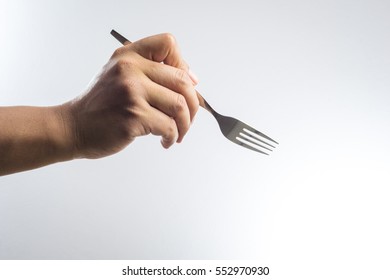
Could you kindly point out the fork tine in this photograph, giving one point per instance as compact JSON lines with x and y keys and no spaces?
{"x":240,"y":141}
{"x":253,"y":140}
{"x":254,"y":137}
{"x":251,"y":129}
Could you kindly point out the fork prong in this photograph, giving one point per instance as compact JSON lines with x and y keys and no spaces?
{"x":251,"y":129}
{"x":240,"y":141}
{"x":255,"y":137}
{"x":254,"y":140}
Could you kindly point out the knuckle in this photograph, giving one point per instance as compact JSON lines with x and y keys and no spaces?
{"x":179,"y":105}
{"x":122,"y":51}
{"x":171,"y":129}
{"x":129,"y":93}
{"x":168,"y":39}
{"x":171,"y":132}
{"x":129,"y":86}
{"x":182,"y":79}
{"x":123,"y":65}
{"x":133,"y":122}
{"x":118,"y":52}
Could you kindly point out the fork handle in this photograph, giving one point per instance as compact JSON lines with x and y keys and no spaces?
{"x":203,"y":103}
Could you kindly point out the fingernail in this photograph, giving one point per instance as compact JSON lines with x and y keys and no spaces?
{"x":193,"y":77}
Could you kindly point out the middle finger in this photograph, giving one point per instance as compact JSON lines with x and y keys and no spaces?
{"x":172,"y":104}
{"x":175,"y":79}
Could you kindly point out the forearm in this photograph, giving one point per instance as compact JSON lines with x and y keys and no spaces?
{"x":32,"y":137}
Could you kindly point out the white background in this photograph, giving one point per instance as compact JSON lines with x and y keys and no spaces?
{"x":314,"y":75}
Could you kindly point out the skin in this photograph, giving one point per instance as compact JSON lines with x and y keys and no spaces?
{"x":145,"y":88}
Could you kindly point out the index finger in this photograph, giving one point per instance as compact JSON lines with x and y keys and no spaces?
{"x":161,"y":48}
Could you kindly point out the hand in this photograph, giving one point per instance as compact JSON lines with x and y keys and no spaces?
{"x":134,"y":95}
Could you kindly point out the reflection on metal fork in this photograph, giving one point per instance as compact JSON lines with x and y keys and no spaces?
{"x":233,"y":129}
{"x":239,"y":132}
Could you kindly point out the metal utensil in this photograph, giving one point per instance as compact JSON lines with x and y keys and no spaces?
{"x":233,"y":129}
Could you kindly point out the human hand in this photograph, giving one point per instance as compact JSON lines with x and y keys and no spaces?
{"x":134,"y":95}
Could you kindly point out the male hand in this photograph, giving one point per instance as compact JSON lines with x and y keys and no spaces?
{"x":146,"y":87}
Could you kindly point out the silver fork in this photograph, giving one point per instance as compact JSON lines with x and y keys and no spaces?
{"x":235,"y":130}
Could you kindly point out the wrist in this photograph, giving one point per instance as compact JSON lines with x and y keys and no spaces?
{"x":63,"y":138}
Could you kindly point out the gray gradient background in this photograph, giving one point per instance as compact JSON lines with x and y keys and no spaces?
{"x":315,"y":75}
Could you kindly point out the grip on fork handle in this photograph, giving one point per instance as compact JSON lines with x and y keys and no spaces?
{"x":125,"y":41}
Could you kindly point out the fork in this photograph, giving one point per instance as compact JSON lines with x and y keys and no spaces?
{"x":233,"y":129}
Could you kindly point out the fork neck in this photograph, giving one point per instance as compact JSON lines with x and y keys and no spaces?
{"x":203,"y":103}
